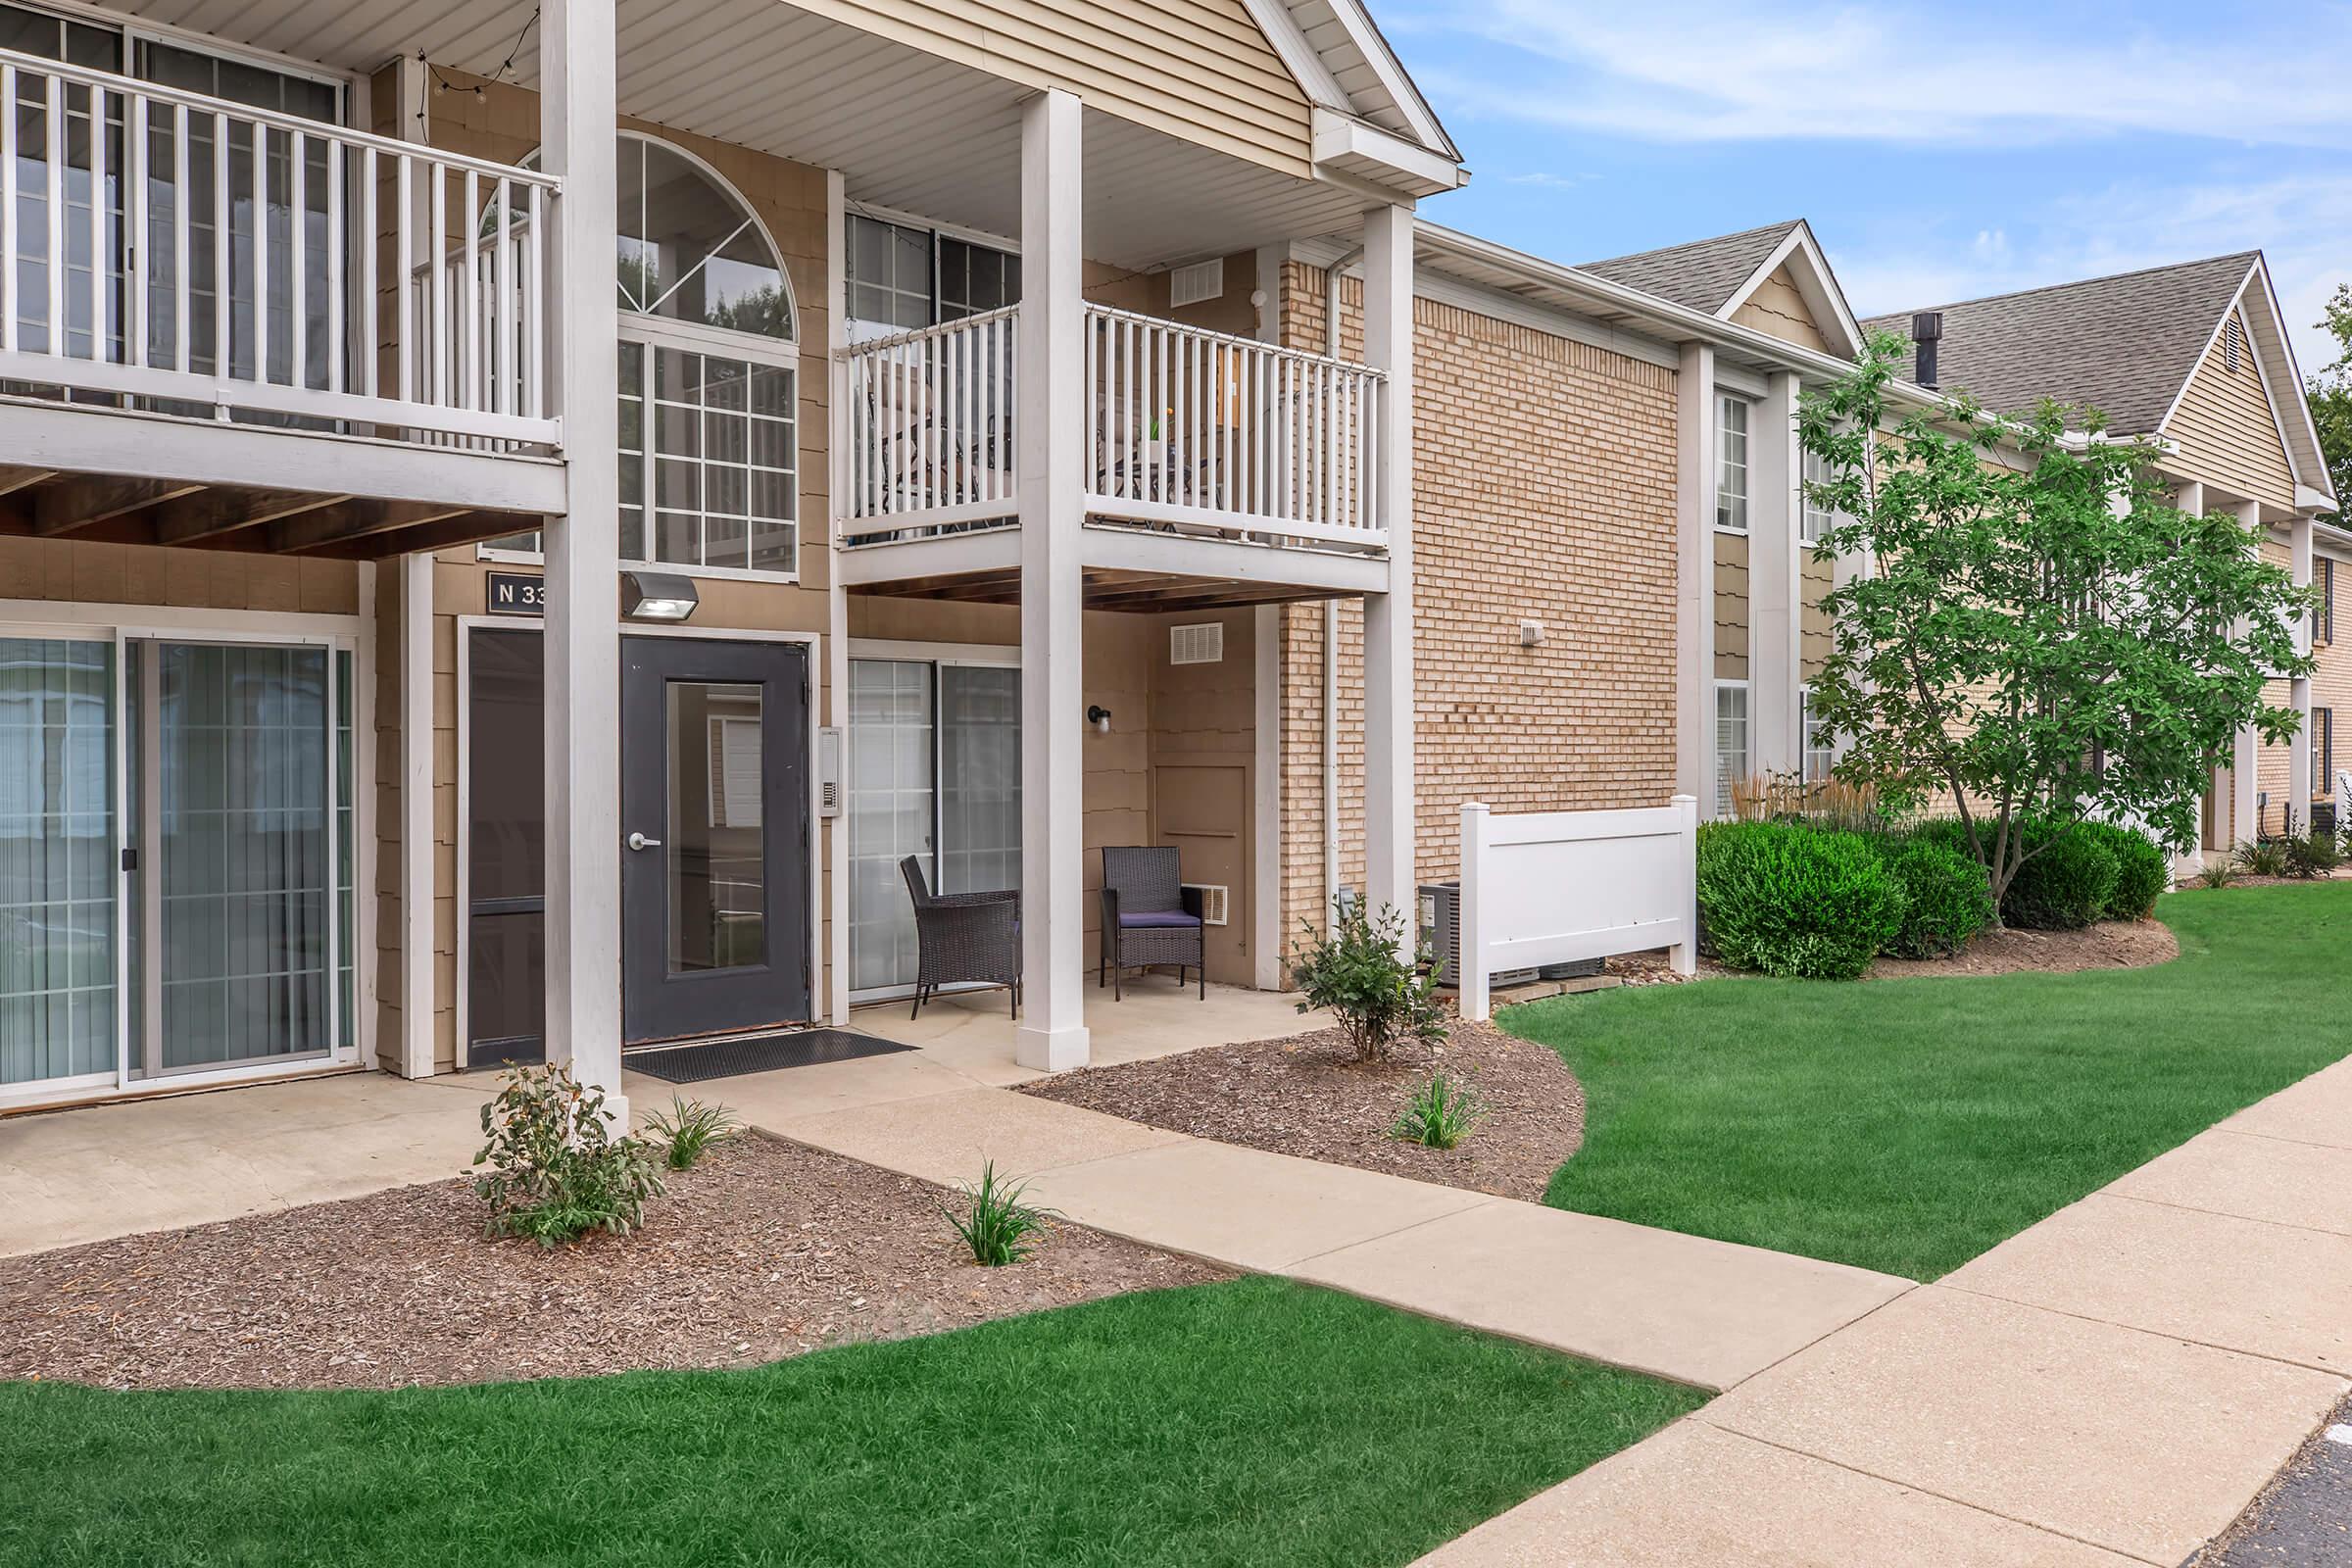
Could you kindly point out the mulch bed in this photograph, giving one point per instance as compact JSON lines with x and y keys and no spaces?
{"x":2113,"y":945}
{"x":765,"y":1250}
{"x":1304,"y":1096}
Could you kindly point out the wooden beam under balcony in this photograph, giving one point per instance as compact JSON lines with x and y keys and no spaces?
{"x":1105,"y":588}
{"x":71,"y":505}
{"x":469,"y":526}
{"x":328,"y":529}
{"x":209,"y":515}
{"x":14,"y":478}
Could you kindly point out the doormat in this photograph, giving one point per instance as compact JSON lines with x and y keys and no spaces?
{"x":747,"y":1054}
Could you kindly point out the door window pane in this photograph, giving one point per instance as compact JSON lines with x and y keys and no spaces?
{"x":892,"y":719}
{"x":717,"y":846}
{"x":56,"y":878}
{"x":979,"y":780}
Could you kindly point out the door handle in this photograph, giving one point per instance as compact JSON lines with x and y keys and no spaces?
{"x":638,"y":841}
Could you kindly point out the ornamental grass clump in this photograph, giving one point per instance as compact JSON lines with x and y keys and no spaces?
{"x":1796,"y":901}
{"x":1360,"y":973}
{"x":557,"y":1169}
{"x":996,"y":1225}
{"x":1442,"y":1113}
{"x":688,"y":1129}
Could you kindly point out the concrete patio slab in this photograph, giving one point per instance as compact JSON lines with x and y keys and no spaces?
{"x":2272,"y":1179}
{"x":1242,"y":1206}
{"x":189,"y":1159}
{"x":2316,"y":1111}
{"x":2134,"y":1442}
{"x":973,"y":1031}
{"x":2245,"y":1284}
{"x":947,"y":1138}
{"x":1681,"y":1306}
{"x":768,"y":1099}
{"x":1695,"y":1497}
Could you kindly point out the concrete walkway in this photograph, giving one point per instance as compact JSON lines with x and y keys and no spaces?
{"x":1699,"y":1311}
{"x":2109,"y":1387}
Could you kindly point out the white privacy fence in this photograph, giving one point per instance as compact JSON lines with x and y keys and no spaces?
{"x":1555,"y":887}
{"x":194,"y":255}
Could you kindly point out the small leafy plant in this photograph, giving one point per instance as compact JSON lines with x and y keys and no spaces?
{"x":2216,"y":874}
{"x":688,"y":1129}
{"x":2263,"y":858}
{"x":1442,"y":1113}
{"x":998,"y":1226}
{"x":1358,"y":971}
{"x":557,"y":1170}
{"x":2309,"y":855}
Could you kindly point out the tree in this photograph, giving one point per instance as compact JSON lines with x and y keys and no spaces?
{"x":2038,"y":635}
{"x":2330,"y":394}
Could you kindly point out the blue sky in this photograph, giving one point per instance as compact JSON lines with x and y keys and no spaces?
{"x":1942,"y":151}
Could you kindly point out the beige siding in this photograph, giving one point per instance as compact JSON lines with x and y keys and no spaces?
{"x":1778,"y":307}
{"x":1543,"y":490}
{"x":2226,"y":431}
{"x":1818,"y":631}
{"x":1197,"y":70}
{"x":1730,"y":607}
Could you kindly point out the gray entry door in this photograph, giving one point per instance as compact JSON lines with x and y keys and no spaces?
{"x":715,"y":823}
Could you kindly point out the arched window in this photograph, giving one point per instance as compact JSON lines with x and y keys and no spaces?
{"x":709,"y":385}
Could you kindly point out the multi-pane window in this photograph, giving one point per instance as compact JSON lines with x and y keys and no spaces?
{"x":1731,"y":464}
{"x":2322,"y":751}
{"x":903,"y":278}
{"x":1815,"y":519}
{"x":1731,"y":741}
{"x":2322,"y":617}
{"x":1820,"y":755}
{"x":717,"y":477}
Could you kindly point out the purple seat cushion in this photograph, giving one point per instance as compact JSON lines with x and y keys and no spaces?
{"x":1157,"y":917}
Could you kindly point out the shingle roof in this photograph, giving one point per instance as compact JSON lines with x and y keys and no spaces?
{"x":2125,"y":345}
{"x":1701,"y":274}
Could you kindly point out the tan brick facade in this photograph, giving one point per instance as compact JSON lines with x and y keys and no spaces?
{"x":1543,"y":490}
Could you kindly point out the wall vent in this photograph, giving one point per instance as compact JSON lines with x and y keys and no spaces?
{"x":2234,"y":343}
{"x":1202,"y":280}
{"x":1213,"y":902}
{"x":1200,"y":643}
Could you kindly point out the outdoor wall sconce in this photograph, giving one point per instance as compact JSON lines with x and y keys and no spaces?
{"x":1100,"y":717}
{"x":657,"y":595}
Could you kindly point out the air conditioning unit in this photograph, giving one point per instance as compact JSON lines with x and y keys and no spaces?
{"x":1442,"y":919}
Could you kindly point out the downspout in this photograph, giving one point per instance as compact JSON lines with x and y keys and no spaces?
{"x":1331,"y":634}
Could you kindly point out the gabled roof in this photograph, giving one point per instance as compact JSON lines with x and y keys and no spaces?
{"x":1353,"y":79}
{"x":1704,"y":274}
{"x":2125,"y":345}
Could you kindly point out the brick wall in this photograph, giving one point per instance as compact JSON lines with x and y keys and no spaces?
{"x":1544,"y":479}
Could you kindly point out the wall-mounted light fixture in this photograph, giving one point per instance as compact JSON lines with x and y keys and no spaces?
{"x":1100,"y":717}
{"x":657,"y":595}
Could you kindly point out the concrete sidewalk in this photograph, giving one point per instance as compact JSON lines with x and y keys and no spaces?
{"x":1684,"y":1307}
{"x":2111,"y":1386}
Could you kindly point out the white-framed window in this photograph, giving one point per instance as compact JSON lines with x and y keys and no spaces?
{"x":905,"y":276}
{"x":710,"y":376}
{"x":1815,"y":519}
{"x":1820,"y":757}
{"x":1731,"y":741}
{"x":1731,"y":463}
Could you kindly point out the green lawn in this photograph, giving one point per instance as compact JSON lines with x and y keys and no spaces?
{"x":1907,"y":1125}
{"x":1252,"y":1422}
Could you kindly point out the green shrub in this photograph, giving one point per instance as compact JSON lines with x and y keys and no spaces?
{"x":2263,"y":858}
{"x":1788,"y":900}
{"x":2312,"y":855}
{"x":688,"y":1129}
{"x":1358,"y":973}
{"x":998,"y":1226}
{"x":2066,"y":883}
{"x":1440,"y":1114}
{"x":2140,"y":870}
{"x":557,"y":1170}
{"x":1947,"y":898}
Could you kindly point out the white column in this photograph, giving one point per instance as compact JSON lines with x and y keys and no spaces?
{"x":1389,"y":860}
{"x":2246,"y":765}
{"x":1775,"y":581}
{"x":417,"y":848}
{"x":2298,"y":750}
{"x":837,"y":610}
{"x":1050,"y":460}
{"x":578,"y":111}
{"x":1694,"y":576}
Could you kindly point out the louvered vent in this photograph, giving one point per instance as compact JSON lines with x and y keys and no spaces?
{"x":1213,"y":902}
{"x":2234,"y":343}
{"x":1202,"y":643}
{"x":1202,"y":280}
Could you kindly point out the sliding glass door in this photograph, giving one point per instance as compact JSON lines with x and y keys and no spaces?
{"x":935,"y":772}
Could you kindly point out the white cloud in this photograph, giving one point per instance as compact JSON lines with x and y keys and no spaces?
{"x":1678,"y":72}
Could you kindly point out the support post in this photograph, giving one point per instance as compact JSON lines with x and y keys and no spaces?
{"x":837,"y":594}
{"x":1050,"y":462}
{"x":578,"y":110}
{"x":1694,"y":575}
{"x":1389,"y":779}
{"x":2298,"y":763}
{"x":1470,"y":926}
{"x":1684,"y":954}
{"x":418,"y":852}
{"x":2246,"y":762}
{"x":1775,"y":581}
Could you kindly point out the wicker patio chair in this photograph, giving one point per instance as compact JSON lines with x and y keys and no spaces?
{"x":1148,"y":917}
{"x":963,"y":937}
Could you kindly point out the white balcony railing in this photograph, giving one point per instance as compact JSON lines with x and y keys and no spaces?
{"x":1212,"y":430}
{"x":198,"y":256}
{"x":1188,"y":428}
